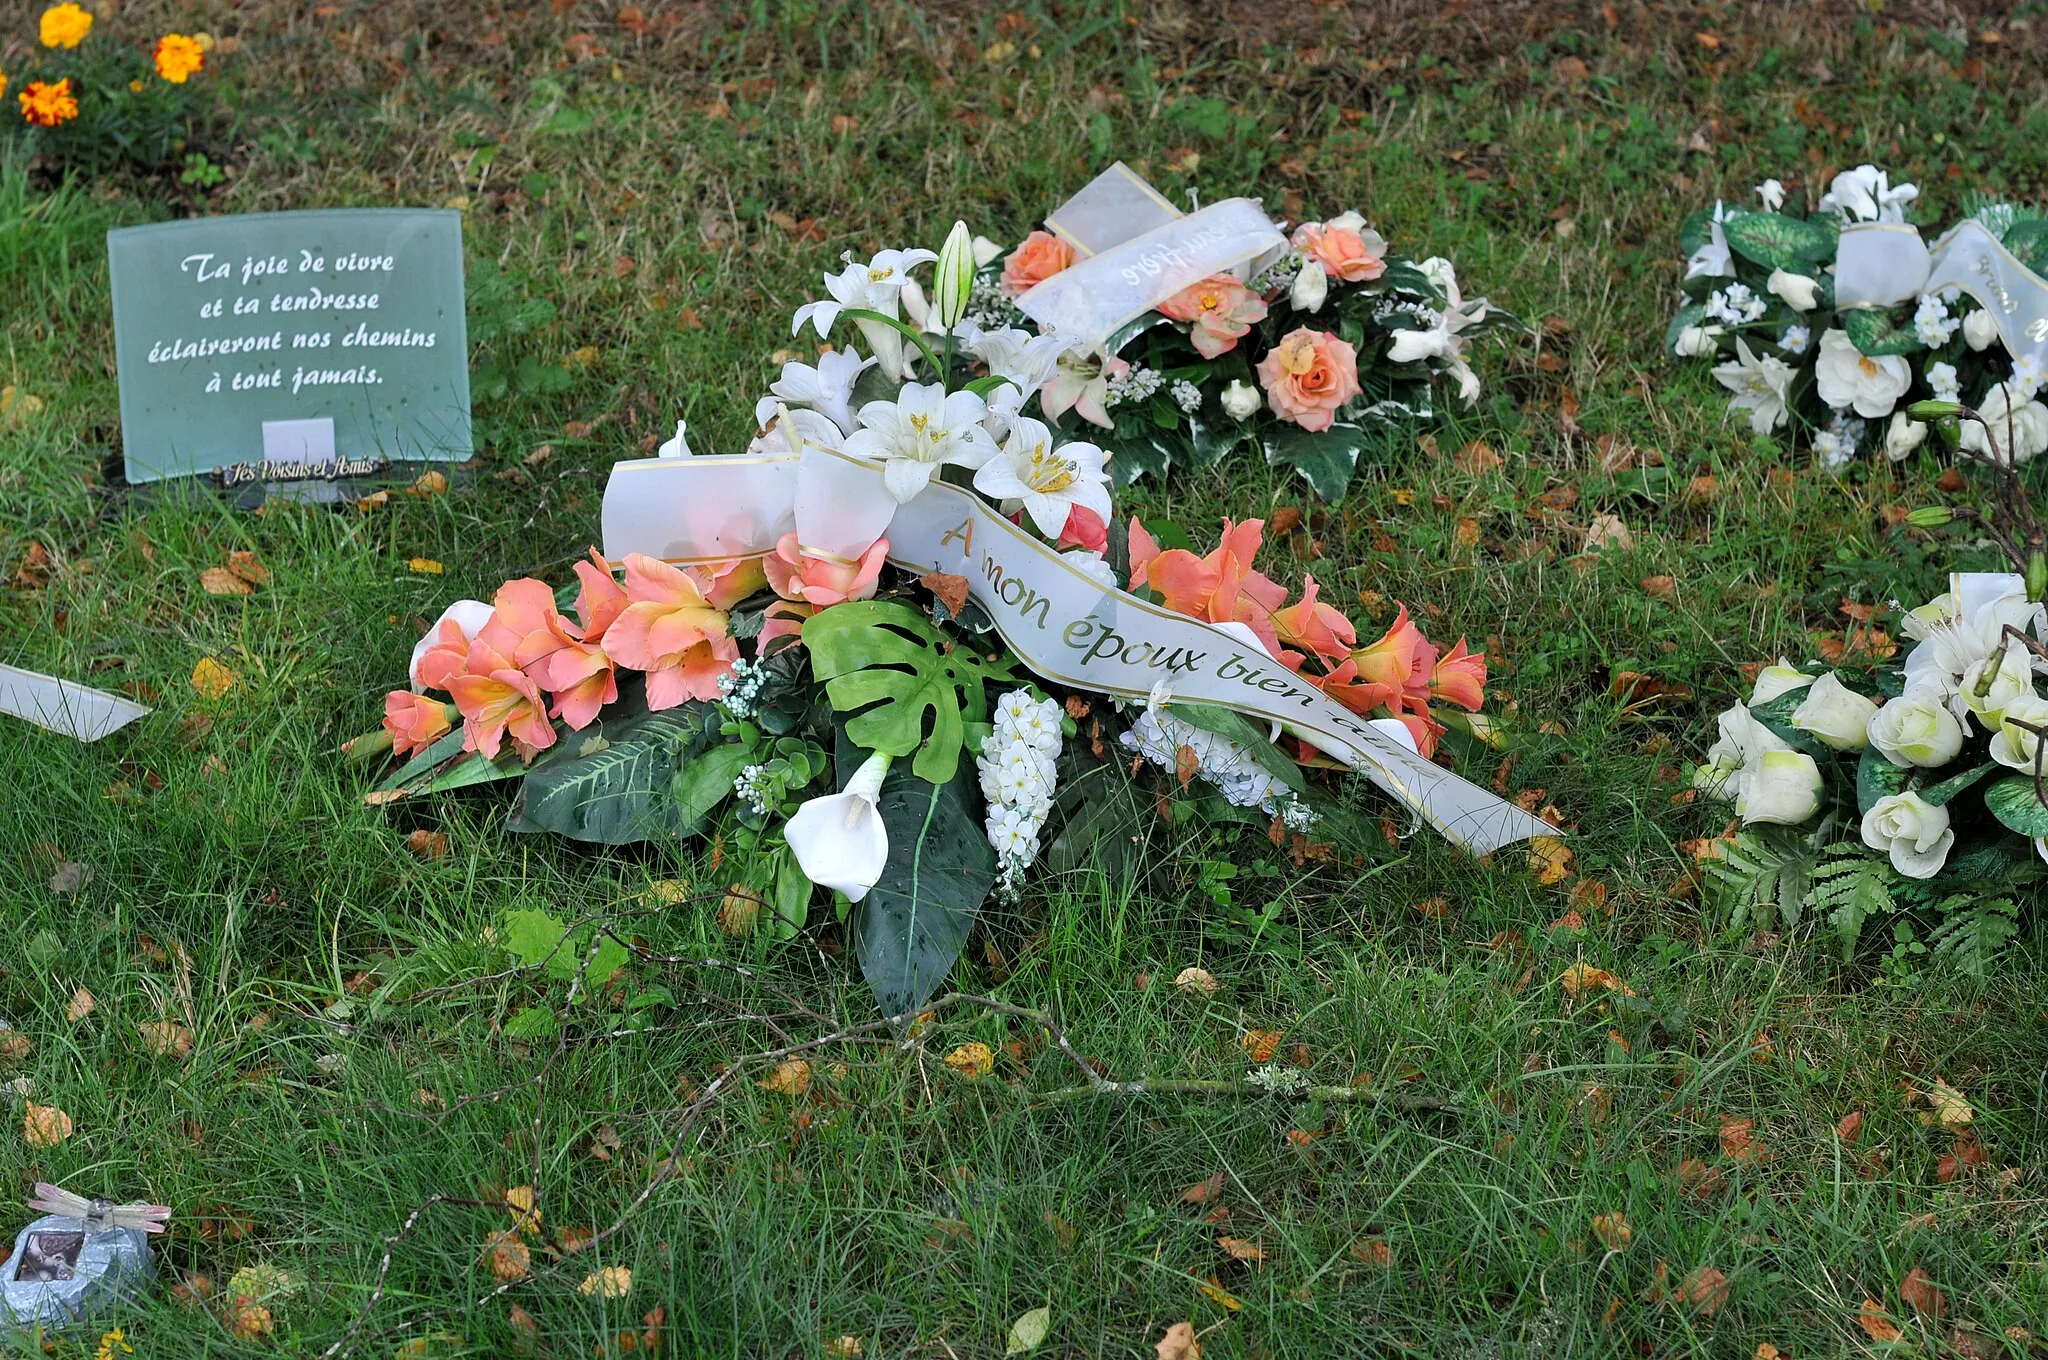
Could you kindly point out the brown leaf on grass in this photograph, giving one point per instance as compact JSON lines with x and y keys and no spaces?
{"x":1203,"y":1192}
{"x":1700,"y":1181}
{"x":1373,"y":1251}
{"x":604,"y":1141}
{"x":221,"y":581}
{"x":612,"y":1282}
{"x":250,"y":1320}
{"x":1436,"y":908}
{"x":569,"y":1241}
{"x":1476,"y":459}
{"x":211,"y":679}
{"x":1218,"y":1295}
{"x":34,"y":571}
{"x":1597,"y":1102}
{"x":1951,"y":1110}
{"x":950,"y":590}
{"x":1261,"y":1044}
{"x":1638,"y":690}
{"x":972,"y":1061}
{"x":45,"y":1126}
{"x":1613,"y":1230}
{"x":1238,"y":1249}
{"x":1196,"y":982}
{"x":791,"y":1077}
{"x":1738,"y":1139}
{"x":1705,"y":1288}
{"x":15,"y":1046}
{"x":509,"y":1258}
{"x":1876,"y":1323}
{"x":247,"y":566}
{"x":1284,"y":521}
{"x":1660,"y":587}
{"x":1186,"y":764}
{"x":525,"y":1210}
{"x":1581,"y":978}
{"x":1550,"y":859}
{"x":1179,"y":1343}
{"x":165,"y":1039}
{"x":1607,"y":531}
{"x":428,"y":844}
{"x":81,"y":1005}
{"x":1921,"y":1294}
{"x":525,"y":1324}
{"x":1850,"y":1127}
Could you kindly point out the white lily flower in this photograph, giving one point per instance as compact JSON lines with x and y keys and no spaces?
{"x":1846,"y":377}
{"x":1696,"y":340}
{"x":921,"y":431}
{"x":1046,"y":481}
{"x":986,"y":252}
{"x":468,"y":615}
{"x":1760,"y":385}
{"x":840,"y":840}
{"x":794,"y":429}
{"x":2018,"y":428}
{"x":875,"y":286}
{"x":826,"y":388}
{"x":1080,"y":383}
{"x":1953,"y":632}
{"x":1028,"y":361}
{"x":1713,"y":259}
{"x":1412,"y":347}
{"x":1903,"y":436}
{"x":1772,"y":193}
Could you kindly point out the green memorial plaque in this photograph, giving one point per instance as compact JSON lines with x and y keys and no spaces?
{"x":292,"y":345}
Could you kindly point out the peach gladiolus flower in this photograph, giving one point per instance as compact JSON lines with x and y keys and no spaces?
{"x":1037,"y":258}
{"x":823,"y":579}
{"x":446,"y":659}
{"x":1144,"y":548}
{"x":1353,"y":255}
{"x":1426,"y":731}
{"x":783,"y":619}
{"x":525,"y":624}
{"x":672,"y":632}
{"x":1222,"y":587}
{"x":602,"y":598}
{"x":582,"y":679}
{"x":733,"y":581}
{"x":1347,"y":687}
{"x":1222,"y":310}
{"x":1319,"y":627}
{"x":1460,"y":678}
{"x":1400,"y":659}
{"x":1307,"y":376}
{"x":498,"y":699}
{"x":414,"y":721}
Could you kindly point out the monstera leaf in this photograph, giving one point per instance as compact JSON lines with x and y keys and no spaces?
{"x":610,"y":783}
{"x":882,"y":663}
{"x":911,"y":926}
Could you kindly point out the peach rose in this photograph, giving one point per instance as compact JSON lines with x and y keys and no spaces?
{"x":1037,"y":258}
{"x":820,"y":579}
{"x":1355,"y":255}
{"x":1307,"y":376}
{"x":1221,"y":310}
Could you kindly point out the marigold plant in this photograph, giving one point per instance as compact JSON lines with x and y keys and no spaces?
{"x":65,"y":25}
{"x":98,"y":102}
{"x":179,"y":57}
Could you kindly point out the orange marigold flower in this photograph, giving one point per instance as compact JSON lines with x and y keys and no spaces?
{"x":47,"y":104}
{"x":65,"y":25}
{"x":178,"y":56}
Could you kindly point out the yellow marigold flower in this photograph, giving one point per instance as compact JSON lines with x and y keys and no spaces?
{"x":65,"y":25}
{"x":177,"y":57}
{"x":3,"y":83}
{"x":46,"y":104}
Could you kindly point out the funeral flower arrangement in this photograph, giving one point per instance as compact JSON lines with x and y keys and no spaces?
{"x":1919,"y":791}
{"x":831,"y":721}
{"x":1764,"y":305}
{"x":91,"y":104}
{"x":1294,"y":354}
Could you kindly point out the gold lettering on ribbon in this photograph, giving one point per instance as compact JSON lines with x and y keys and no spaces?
{"x":964,"y":531}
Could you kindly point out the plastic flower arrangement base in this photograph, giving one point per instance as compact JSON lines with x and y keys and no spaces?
{"x":62,"y":1271}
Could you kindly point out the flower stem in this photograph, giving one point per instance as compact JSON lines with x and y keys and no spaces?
{"x":916,"y":338}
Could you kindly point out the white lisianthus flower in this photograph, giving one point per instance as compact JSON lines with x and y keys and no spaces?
{"x":1760,"y":386}
{"x":1980,"y":329}
{"x":1916,"y":729}
{"x":1795,"y":339}
{"x":1241,"y":401}
{"x":1047,"y":482}
{"x":1836,"y":715}
{"x":1991,"y":685}
{"x":1311,"y":286}
{"x":840,"y":840}
{"x":1713,"y":259}
{"x":1903,"y":435}
{"x":921,"y":431}
{"x":1784,"y":789}
{"x":1796,"y":291}
{"x":1846,"y":377}
{"x":2018,"y":430}
{"x":986,"y":252}
{"x":2014,"y":746}
{"x":1696,"y":340}
{"x":1913,"y":831}
{"x":1781,"y":679}
{"x":826,"y":388}
{"x":1865,"y":194}
{"x":1772,"y":194}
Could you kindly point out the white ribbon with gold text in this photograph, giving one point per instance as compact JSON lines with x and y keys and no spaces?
{"x":1063,"y":624}
{"x":1878,"y":264}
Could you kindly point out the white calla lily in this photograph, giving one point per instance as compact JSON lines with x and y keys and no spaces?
{"x":840,"y":840}
{"x":468,"y":615}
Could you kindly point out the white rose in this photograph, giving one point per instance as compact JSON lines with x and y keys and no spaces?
{"x":1311,"y":286}
{"x":1905,"y":435}
{"x":1797,"y":291}
{"x":2010,"y":677}
{"x":1836,"y":714}
{"x":1773,"y":681}
{"x":2015,"y":747}
{"x":1783,"y":788}
{"x":1241,"y":401}
{"x":1847,"y":377}
{"x":1696,"y":340}
{"x":1980,"y":329}
{"x":1916,"y":729}
{"x":1742,"y":743}
{"x":1914,"y":831}
{"x":2022,"y":425}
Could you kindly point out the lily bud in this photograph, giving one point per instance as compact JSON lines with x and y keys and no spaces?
{"x":1934,"y":410}
{"x":1930,"y":516}
{"x":954,"y":280}
{"x":2037,"y":576}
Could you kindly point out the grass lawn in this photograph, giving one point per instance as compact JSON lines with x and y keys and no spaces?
{"x":647,"y":197}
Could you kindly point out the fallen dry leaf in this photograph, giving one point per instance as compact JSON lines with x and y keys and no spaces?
{"x":1738,"y":1138}
{"x":844,"y":1347}
{"x":1660,"y":587}
{"x":950,"y":590}
{"x":1373,"y":1251}
{"x":1581,"y":978}
{"x":1261,"y":1044}
{"x":1613,"y":1230}
{"x":248,"y":567}
{"x":1921,"y":1294}
{"x":1218,"y":1295}
{"x":972,"y":1061}
{"x":221,"y":581}
{"x":1876,"y":1323}
{"x":428,"y":844}
{"x":612,"y":1282}
{"x":1179,"y":1343}
{"x":1195,"y":982}
{"x":525,"y":1209}
{"x":81,"y":1005}
{"x":1203,"y":1192}
{"x":45,"y":1126}
{"x":424,"y":566}
{"x":1608,"y":531}
{"x":1850,"y":1127}
{"x":1550,"y":859}
{"x":791,"y":1077}
{"x":1476,"y":458}
{"x":250,"y":1320}
{"x":211,"y":679}
{"x":165,"y":1039}
{"x":1950,"y":1108}
{"x":1238,"y":1249}
{"x":1706,"y":1289}
{"x":508,"y":1257}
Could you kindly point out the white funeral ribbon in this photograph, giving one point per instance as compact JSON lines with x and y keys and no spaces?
{"x":60,"y":706}
{"x":1094,"y":296}
{"x":1063,"y":624}
{"x":1878,"y":264}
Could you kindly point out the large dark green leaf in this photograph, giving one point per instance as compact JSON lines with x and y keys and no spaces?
{"x":1875,"y":332}
{"x":911,"y":926}
{"x":1324,"y":458}
{"x":1777,"y":716}
{"x":1876,"y":778}
{"x":1940,"y":794}
{"x":2014,"y":801}
{"x":1777,"y":241}
{"x":2028,"y":241}
{"x":1210,"y":445}
{"x":611,"y":782}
